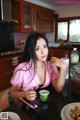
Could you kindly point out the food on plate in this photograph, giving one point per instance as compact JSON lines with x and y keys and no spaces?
{"x":75,"y":113}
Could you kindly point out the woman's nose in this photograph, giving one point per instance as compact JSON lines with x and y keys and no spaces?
{"x":42,"y":51}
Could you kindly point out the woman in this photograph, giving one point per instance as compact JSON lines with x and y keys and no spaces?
{"x":36,"y":70}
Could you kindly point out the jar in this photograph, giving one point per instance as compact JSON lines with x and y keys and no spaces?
{"x":61,"y":42}
{"x":75,"y":77}
{"x":74,"y":57}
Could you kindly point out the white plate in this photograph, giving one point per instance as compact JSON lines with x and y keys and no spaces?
{"x":63,"y":112}
{"x":71,"y":107}
{"x":10,"y":116}
{"x":64,"y":109}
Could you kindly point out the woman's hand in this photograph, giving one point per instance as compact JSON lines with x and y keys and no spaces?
{"x":58,"y":84}
{"x":58,"y":62}
{"x":30,"y":95}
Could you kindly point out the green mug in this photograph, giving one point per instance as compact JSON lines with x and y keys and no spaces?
{"x":44,"y":95}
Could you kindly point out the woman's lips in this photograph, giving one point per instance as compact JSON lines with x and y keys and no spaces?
{"x":43,"y":57}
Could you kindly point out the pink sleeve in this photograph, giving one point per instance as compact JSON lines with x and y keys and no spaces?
{"x":54,"y":72}
{"x":16,"y":79}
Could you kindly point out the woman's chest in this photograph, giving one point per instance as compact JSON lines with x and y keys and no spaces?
{"x":35,"y":80}
{"x":41,"y":75}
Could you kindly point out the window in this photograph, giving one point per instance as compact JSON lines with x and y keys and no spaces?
{"x":74,"y":31}
{"x":68,"y":29}
{"x":62,"y":30}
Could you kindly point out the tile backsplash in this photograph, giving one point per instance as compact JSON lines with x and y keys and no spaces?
{"x":23,"y":36}
{"x":18,"y":37}
{"x":50,"y":37}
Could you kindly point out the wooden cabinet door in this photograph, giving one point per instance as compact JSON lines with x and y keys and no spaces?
{"x":23,"y":14}
{"x":45,"y":14}
{"x":30,"y":17}
{"x":45,"y":20}
{"x":6,"y":71}
{"x":51,"y":52}
{"x":4,"y":83}
{"x":56,"y":52}
{"x":1,"y":75}
{"x":59,"y":53}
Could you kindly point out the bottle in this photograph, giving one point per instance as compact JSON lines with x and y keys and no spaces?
{"x":66,"y":55}
{"x":74,"y":58}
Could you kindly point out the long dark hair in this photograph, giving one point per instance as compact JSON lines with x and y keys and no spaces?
{"x":29,"y":50}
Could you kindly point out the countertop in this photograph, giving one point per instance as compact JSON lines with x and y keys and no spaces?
{"x":19,"y":50}
{"x":10,"y":53}
{"x":66,"y":47}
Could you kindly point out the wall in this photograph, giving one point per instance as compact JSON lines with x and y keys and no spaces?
{"x":68,"y":10}
{"x":40,"y":3}
{"x":18,"y":37}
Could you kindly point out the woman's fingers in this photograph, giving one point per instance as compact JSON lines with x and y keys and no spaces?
{"x":31,"y":95}
{"x":53,"y":60}
{"x":58,"y":62}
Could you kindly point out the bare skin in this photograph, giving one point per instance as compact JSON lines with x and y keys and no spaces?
{"x":59,"y":83}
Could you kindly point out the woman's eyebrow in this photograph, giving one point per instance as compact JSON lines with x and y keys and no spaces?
{"x":39,"y":46}
{"x":45,"y":44}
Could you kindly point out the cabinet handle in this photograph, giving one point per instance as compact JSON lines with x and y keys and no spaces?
{"x":15,"y":21}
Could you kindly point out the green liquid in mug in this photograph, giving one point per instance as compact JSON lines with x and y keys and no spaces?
{"x":44,"y":98}
{"x":44,"y":95}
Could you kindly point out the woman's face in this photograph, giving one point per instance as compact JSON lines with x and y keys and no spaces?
{"x":41,"y":49}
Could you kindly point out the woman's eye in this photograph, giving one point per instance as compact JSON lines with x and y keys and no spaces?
{"x":36,"y":49}
{"x":45,"y":46}
{"x":41,"y":48}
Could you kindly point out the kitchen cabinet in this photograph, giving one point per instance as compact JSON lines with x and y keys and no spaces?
{"x":30,"y":17}
{"x":23,"y":14}
{"x":45,"y":20}
{"x":7,"y":65}
{"x":58,"y":52}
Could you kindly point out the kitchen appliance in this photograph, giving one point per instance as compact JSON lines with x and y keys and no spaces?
{"x":6,"y":11}
{"x":6,"y":37}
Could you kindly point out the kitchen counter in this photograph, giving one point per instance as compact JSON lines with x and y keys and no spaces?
{"x":61,"y":51}
{"x":10,"y":53}
{"x":67,"y":47}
